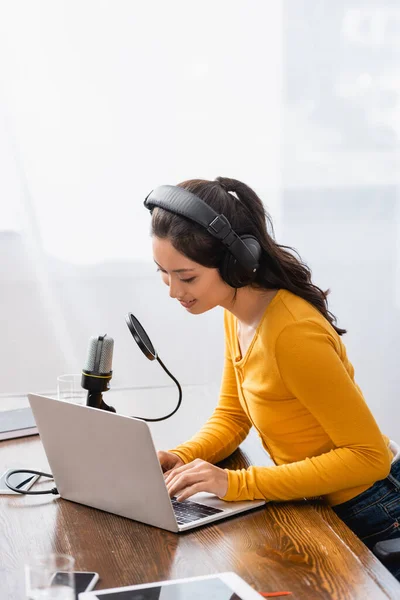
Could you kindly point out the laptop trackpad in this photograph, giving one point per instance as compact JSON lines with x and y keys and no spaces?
{"x":210,"y":500}
{"x":215,"y":502}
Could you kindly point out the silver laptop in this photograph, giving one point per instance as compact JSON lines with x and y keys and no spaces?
{"x":109,"y":461}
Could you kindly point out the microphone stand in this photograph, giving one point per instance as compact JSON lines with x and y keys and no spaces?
{"x":96,"y":385}
{"x":95,"y":400}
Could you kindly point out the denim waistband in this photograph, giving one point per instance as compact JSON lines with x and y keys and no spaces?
{"x":372,"y":494}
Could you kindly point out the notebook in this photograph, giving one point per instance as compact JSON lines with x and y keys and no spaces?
{"x":16,"y":423}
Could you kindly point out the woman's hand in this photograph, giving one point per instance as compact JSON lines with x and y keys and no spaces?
{"x":169,"y":460}
{"x":196,"y":476}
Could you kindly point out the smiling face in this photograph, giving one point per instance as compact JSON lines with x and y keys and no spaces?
{"x":197,"y":288}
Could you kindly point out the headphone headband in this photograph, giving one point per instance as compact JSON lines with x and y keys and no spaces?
{"x":184,"y":203}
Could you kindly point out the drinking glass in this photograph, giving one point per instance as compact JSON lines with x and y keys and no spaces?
{"x":69,"y":388}
{"x":50,"y":577}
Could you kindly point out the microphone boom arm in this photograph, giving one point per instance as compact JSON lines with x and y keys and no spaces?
{"x":158,"y":359}
{"x":144,"y":343}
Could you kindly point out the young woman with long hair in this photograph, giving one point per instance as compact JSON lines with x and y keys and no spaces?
{"x":286,"y":370}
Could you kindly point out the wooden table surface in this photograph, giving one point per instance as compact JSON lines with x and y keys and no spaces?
{"x":302,"y":547}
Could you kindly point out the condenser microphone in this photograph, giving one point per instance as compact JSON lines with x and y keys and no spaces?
{"x":97,"y":373}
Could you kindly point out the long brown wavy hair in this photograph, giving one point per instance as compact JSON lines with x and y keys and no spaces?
{"x":279,"y":265}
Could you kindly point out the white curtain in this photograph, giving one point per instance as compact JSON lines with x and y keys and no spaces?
{"x":102,"y":101}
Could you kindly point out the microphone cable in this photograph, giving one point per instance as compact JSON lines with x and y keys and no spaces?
{"x":19,"y":491}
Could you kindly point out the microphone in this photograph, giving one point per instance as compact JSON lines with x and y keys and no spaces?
{"x":97,"y":372}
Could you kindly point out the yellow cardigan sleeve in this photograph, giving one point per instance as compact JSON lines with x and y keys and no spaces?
{"x":227,"y":427}
{"x":312,"y":370}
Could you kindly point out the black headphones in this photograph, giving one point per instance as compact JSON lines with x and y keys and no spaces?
{"x":242,"y":251}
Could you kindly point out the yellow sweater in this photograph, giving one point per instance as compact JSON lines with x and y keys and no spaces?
{"x":296,"y":386}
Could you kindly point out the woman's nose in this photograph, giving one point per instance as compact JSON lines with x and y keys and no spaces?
{"x":174,"y":289}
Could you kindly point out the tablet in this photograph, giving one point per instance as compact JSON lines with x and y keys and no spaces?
{"x":224,"y":586}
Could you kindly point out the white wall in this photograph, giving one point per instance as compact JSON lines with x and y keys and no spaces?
{"x":100,"y":102}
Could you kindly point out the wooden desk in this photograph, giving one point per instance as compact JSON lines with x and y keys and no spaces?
{"x":299,"y":547}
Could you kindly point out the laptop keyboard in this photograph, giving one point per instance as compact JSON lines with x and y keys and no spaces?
{"x":189,"y":511}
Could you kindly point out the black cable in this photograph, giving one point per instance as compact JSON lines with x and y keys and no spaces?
{"x":179,"y":400}
{"x":19,"y":491}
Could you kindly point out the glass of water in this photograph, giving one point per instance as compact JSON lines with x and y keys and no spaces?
{"x":50,"y":577}
{"x":69,"y":388}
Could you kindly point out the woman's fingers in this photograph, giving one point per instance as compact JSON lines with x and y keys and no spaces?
{"x":168,"y":460}
{"x":183,"y":481}
{"x":174,"y":472}
{"x":199,"y":475}
{"x":189,"y":491}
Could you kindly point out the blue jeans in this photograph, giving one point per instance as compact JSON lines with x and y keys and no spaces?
{"x":374,"y":515}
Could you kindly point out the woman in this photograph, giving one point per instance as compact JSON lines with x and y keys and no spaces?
{"x":286,"y":370}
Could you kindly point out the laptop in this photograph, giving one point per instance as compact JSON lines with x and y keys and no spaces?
{"x":109,"y":461}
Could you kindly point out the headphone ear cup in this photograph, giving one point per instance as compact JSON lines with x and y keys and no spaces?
{"x":227,"y":267}
{"x":232,"y":272}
